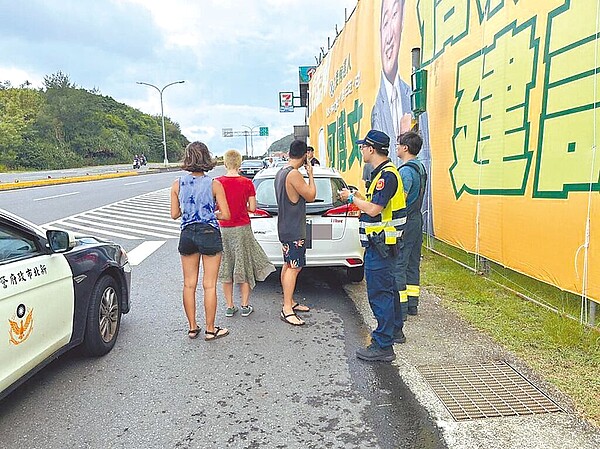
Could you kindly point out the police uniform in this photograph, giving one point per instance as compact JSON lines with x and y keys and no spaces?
{"x":407,"y":271}
{"x":385,"y":190}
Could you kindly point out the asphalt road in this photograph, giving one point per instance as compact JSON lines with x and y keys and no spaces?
{"x":267,"y":385}
{"x":71,"y":172}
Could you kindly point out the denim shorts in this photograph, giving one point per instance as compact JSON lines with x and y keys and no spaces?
{"x":294,"y":253}
{"x":200,"y":238}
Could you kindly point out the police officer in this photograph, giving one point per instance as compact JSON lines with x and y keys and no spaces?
{"x":414,"y":181}
{"x":382,"y":220}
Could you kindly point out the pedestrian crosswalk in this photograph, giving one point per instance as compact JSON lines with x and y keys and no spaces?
{"x":142,"y":217}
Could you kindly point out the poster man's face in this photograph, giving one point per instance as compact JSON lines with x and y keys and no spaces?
{"x":391,"y":30}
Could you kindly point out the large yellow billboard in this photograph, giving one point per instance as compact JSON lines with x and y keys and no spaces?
{"x":510,"y":129}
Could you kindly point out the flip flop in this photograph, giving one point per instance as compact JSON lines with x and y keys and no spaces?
{"x":285,"y":317}
{"x":296,"y":308}
{"x":193,"y":333}
{"x":218,"y":333}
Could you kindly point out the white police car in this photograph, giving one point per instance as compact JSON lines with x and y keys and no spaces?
{"x":57,"y":290}
{"x":332,"y":225}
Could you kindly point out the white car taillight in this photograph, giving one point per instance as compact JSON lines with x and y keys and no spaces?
{"x":347,"y":210}
{"x":259,"y":213}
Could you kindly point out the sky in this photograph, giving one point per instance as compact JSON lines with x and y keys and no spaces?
{"x":234,"y":56}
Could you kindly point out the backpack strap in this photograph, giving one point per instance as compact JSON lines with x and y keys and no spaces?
{"x":420,"y":169}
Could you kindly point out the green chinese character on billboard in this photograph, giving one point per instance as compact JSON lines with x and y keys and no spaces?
{"x":263,"y":131}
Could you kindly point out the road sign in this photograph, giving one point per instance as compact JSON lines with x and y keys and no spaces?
{"x":286,"y":101}
{"x":227,"y":132}
{"x":263,"y":131}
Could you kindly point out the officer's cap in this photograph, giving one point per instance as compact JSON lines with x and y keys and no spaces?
{"x":376,"y":139}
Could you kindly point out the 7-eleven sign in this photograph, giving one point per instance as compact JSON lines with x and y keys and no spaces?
{"x":286,"y":101}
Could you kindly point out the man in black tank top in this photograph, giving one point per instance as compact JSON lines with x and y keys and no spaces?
{"x":292,"y":193}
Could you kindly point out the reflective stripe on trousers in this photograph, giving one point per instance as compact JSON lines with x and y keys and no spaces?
{"x":407,"y":270}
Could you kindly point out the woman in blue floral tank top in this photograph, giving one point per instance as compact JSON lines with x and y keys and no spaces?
{"x":193,"y":199}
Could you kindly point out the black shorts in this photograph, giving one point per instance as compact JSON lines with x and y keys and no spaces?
{"x":200,"y":238}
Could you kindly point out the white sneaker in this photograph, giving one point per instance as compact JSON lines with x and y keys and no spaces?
{"x":246,"y":310}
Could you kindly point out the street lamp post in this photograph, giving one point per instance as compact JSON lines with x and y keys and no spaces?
{"x":251,"y":128}
{"x":162,"y":113}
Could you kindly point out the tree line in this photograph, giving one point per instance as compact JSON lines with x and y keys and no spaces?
{"x":62,"y":125}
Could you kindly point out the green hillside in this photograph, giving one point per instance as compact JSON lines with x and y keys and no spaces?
{"x":63,"y":125}
{"x":281,"y":146}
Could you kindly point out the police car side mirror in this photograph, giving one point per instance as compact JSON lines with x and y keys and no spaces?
{"x":60,"y":241}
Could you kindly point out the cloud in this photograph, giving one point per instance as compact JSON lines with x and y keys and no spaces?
{"x":116,"y":28}
{"x":235,"y":56}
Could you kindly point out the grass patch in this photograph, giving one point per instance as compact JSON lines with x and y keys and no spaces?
{"x":563,"y":352}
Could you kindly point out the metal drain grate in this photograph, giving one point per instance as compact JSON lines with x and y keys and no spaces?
{"x":486,"y":390}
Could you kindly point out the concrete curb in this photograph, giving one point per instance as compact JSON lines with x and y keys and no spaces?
{"x":56,"y":181}
{"x":84,"y":178}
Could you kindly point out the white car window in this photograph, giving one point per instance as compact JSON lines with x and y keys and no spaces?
{"x":14,"y":246}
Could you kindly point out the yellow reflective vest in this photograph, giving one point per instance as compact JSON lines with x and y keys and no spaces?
{"x":393,"y":216}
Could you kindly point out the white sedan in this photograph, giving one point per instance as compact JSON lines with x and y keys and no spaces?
{"x":332,"y":225}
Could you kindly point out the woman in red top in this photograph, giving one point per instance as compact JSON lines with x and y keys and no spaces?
{"x":244,"y":262}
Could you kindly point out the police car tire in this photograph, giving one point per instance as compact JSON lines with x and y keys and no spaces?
{"x":93,"y":343}
{"x":355,"y":274}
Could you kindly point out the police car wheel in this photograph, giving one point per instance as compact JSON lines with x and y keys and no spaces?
{"x":355,"y":274}
{"x":104,"y":317}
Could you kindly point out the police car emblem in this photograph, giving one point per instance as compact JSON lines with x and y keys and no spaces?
{"x":20,"y":328}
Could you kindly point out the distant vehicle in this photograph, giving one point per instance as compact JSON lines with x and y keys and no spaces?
{"x":57,"y":290}
{"x":280,"y":163}
{"x":251,"y":167}
{"x":332,"y":225}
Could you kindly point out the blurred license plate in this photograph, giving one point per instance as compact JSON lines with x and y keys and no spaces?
{"x":317,"y":232}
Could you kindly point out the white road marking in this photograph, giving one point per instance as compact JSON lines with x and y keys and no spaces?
{"x":134,"y":218}
{"x":100,"y":220}
{"x":55,"y":196}
{"x":137,"y":220}
{"x":132,"y":183}
{"x":142,"y":211}
{"x":150,"y":207}
{"x":119,"y":228}
{"x":140,"y":252}
{"x":91,"y":231}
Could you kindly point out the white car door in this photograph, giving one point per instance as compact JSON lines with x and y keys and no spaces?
{"x":36,"y":303}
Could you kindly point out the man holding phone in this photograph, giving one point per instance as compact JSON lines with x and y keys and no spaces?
{"x":292,"y":193}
